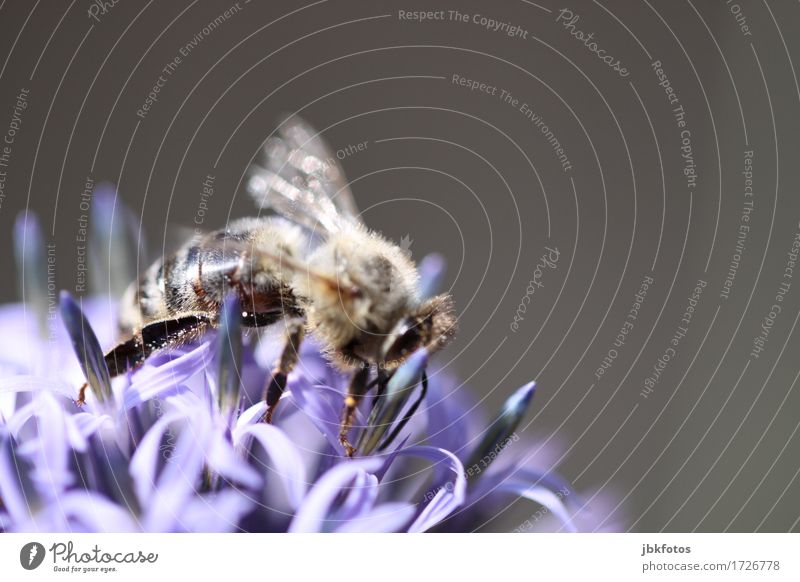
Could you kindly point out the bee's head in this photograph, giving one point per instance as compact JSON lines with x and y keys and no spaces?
{"x":432,"y":325}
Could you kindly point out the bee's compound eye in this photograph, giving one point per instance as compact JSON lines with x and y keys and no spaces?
{"x":406,"y":337}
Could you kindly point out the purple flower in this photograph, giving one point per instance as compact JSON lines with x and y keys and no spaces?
{"x":178,"y":445}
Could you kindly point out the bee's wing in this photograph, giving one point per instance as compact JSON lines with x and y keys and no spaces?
{"x":298,"y":177}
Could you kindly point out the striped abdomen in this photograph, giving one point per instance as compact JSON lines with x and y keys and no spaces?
{"x":198,"y":276}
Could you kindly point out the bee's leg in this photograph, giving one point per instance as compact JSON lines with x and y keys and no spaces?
{"x":277,"y":382}
{"x":162,"y":334}
{"x":356,"y":390}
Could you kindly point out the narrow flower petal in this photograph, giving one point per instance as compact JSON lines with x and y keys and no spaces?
{"x":167,"y":375}
{"x":31,"y":266}
{"x":313,"y":515}
{"x":223,"y":460}
{"x":27,"y":383}
{"x":216,"y":512}
{"x":317,"y":403}
{"x":19,"y":496}
{"x":496,"y":437}
{"x":287,"y":464}
{"x":452,"y":414}
{"x":86,"y":347}
{"x":398,"y":391}
{"x":360,"y":498}
{"x":114,"y":242}
{"x":432,"y":269}
{"x":384,"y":518}
{"x":88,"y":424}
{"x":176,"y":484}
{"x":450,"y":490}
{"x":89,"y":512}
{"x":148,"y":456}
{"x":229,"y":352}
{"x":252,"y":415}
{"x":49,"y":450}
{"x":541,"y":495}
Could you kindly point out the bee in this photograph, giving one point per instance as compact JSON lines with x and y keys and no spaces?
{"x":310,"y":263}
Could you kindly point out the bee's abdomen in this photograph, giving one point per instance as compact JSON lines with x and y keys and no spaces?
{"x":199,"y":275}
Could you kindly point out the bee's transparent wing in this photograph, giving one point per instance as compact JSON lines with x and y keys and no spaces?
{"x":298,"y":177}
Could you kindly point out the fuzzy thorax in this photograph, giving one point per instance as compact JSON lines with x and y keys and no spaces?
{"x":358,"y":286}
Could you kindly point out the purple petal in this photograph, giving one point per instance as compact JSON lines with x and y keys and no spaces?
{"x":314,"y":513}
{"x":360,"y":499}
{"x":20,"y":339}
{"x":166,"y":375}
{"x":252,"y":415}
{"x":31,"y":265}
{"x":450,"y":490}
{"x":88,"y":424}
{"x":86,"y":346}
{"x":497,"y":436}
{"x":383,"y":518}
{"x":176,"y":484}
{"x":114,"y":242}
{"x":431,"y":269}
{"x":316,"y":403}
{"x":287,"y":464}
{"x":399,"y":389}
{"x":49,"y":450}
{"x":453,"y":415}
{"x":541,"y":495}
{"x":148,"y":456}
{"x":222,"y":459}
{"x":35,"y":384}
{"x":216,"y":512}
{"x":12,"y":488}
{"x":229,"y":354}
{"x":90,"y":512}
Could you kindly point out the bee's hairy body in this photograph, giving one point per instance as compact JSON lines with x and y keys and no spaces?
{"x":313,"y":264}
{"x":351,"y":326}
{"x":197,"y":277}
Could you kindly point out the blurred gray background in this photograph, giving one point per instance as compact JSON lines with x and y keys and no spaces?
{"x":476,"y":175}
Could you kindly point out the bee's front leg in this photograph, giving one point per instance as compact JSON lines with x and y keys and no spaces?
{"x":288,"y":359}
{"x":161,"y":334}
{"x":356,"y":390}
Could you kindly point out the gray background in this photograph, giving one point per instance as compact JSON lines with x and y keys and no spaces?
{"x":714,"y":447}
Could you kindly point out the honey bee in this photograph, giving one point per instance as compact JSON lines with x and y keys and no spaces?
{"x":311,"y":264}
